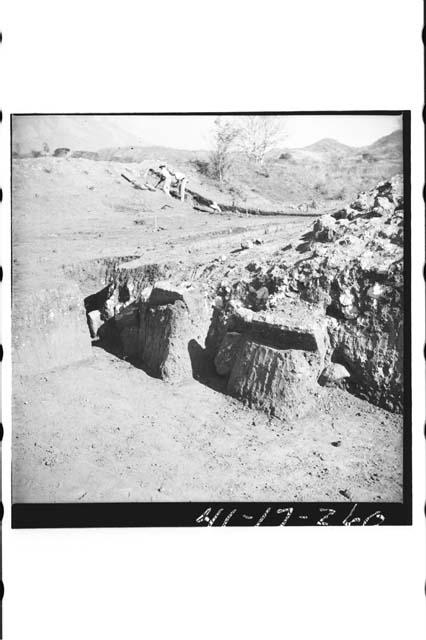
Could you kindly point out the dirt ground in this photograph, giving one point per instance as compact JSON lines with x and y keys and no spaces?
{"x":104,"y":430}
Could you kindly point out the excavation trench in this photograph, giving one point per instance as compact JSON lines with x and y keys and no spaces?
{"x":159,"y":315}
{"x":171,"y":332}
{"x":162,"y":319}
{"x":160,"y":329}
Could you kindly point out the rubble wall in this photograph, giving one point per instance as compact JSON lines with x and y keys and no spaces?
{"x":354,"y":270}
{"x":346,"y":272}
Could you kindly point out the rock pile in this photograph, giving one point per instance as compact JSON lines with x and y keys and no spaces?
{"x":349,"y":273}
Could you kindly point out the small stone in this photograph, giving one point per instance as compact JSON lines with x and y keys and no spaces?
{"x":145,"y":294}
{"x":376,"y":291}
{"x":333,"y":374}
{"x":346,"y":299}
{"x":262,"y":294}
{"x":253,"y":266}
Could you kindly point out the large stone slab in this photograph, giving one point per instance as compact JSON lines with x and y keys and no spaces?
{"x":277,"y":332}
{"x":280,"y":382}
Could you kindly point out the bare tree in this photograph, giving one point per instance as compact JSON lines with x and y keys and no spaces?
{"x":225,"y":134}
{"x":259,"y":135}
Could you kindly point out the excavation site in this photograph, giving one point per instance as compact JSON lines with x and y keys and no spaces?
{"x":223,"y":346}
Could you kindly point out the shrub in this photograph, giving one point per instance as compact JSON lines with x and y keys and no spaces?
{"x":225,"y":134}
{"x":263,"y":172}
{"x":321,"y":188}
{"x":202,"y":166}
{"x":340,"y":194}
{"x":368,"y":157}
{"x":285,"y":156}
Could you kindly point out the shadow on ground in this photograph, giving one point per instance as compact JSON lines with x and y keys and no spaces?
{"x":203,"y":369}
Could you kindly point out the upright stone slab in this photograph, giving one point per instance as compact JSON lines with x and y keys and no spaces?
{"x":280,"y":382}
{"x":165,"y":332}
{"x":277,"y":332}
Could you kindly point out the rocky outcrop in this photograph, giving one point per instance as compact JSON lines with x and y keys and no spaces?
{"x":359,"y":281}
{"x":349,"y":268}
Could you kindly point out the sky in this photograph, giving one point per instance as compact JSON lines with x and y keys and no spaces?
{"x":93,"y":132}
{"x":193,"y":132}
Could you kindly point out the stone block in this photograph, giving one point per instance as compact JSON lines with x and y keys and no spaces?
{"x":281,"y":383}
{"x":278,"y":333}
{"x":164,"y":335}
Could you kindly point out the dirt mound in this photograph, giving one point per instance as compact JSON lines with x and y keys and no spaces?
{"x":347,"y":271}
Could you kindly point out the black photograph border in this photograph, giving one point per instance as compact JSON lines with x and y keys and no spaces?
{"x":196,"y":514}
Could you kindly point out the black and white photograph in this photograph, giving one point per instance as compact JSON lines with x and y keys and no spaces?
{"x":212,"y":325}
{"x":211,"y":308}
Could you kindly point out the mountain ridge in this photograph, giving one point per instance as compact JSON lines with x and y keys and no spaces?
{"x":104,"y":133}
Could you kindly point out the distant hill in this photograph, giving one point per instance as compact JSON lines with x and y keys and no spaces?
{"x":155,"y":154}
{"x":390,"y":144}
{"x":329,"y":145}
{"x":326,"y":171}
{"x":88,"y":133}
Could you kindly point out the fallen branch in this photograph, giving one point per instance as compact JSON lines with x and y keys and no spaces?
{"x":208,"y":202}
